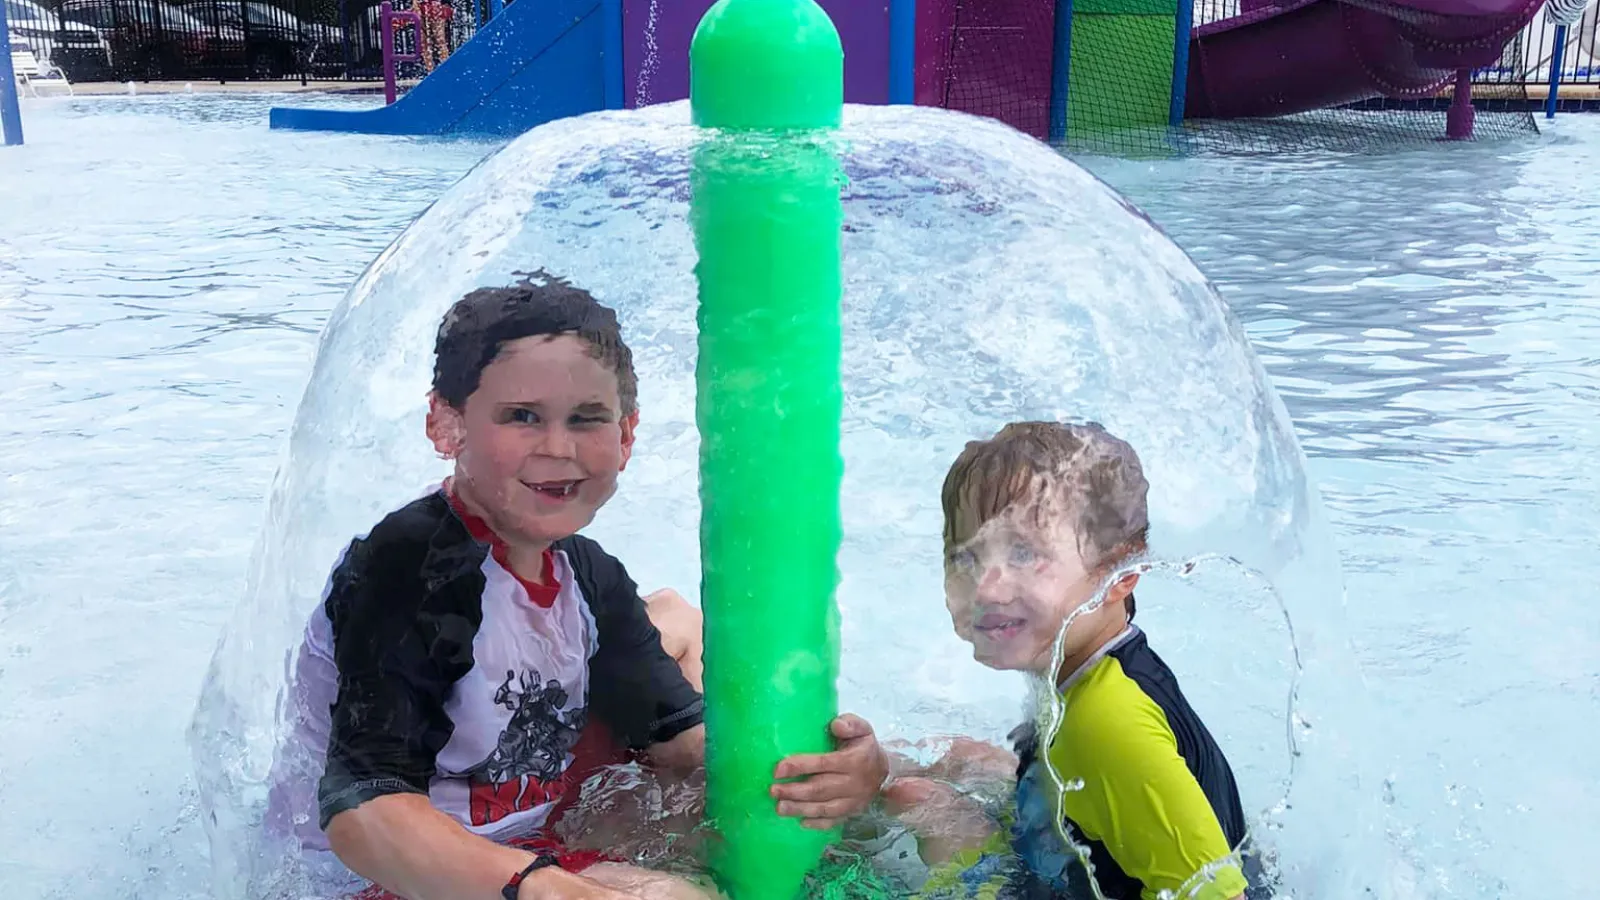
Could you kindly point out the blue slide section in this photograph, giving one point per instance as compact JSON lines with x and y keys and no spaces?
{"x":537,"y":61}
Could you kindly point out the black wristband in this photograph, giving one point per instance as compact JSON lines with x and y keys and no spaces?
{"x":543,"y":860}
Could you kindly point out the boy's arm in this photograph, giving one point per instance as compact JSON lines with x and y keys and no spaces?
{"x":966,"y":761}
{"x":404,"y":844}
{"x":832,"y":787}
{"x":836,"y":785}
{"x":933,"y":803}
{"x":641,"y":692}
{"x":681,"y":755}
{"x":637,"y":689}
{"x":945,"y":822}
{"x":1140,"y":800}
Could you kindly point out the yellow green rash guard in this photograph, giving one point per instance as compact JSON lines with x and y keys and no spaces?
{"x":1157,"y":802}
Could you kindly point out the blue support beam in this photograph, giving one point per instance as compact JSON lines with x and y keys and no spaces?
{"x":1555,"y":73}
{"x":10,"y":111}
{"x":1180,"y":61}
{"x":1060,"y":72}
{"x":902,"y":51}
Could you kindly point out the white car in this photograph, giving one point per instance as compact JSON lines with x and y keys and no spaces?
{"x":78,"y":50}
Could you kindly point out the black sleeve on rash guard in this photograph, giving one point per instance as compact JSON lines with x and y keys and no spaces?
{"x":398,"y":648}
{"x":636,"y":687}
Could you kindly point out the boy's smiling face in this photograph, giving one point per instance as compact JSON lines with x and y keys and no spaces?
{"x":1012,"y":585}
{"x":539,"y":444}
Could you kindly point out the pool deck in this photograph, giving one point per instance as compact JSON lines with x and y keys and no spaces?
{"x":1588,"y":91}
{"x":104,"y":88}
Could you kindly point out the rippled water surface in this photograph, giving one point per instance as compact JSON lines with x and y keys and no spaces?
{"x":1431,"y":316}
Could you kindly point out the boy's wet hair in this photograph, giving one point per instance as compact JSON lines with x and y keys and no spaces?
{"x":1051,"y":470}
{"x":479,"y":324}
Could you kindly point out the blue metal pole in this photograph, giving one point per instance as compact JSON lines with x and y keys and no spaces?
{"x":10,"y":112}
{"x":611,"y":52}
{"x":1060,"y":71}
{"x":1555,"y":73}
{"x":495,"y":7}
{"x":903,"y":51}
{"x":1180,"y":60}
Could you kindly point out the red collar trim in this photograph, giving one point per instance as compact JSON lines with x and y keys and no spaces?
{"x":477,"y":527}
{"x":543,"y":593}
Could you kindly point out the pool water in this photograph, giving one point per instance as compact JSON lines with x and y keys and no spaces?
{"x":1426,"y":312}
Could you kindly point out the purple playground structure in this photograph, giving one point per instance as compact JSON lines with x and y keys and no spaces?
{"x":1301,"y":55}
{"x":1052,"y":68}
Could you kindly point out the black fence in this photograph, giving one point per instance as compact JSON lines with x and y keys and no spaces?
{"x":1527,"y":61}
{"x":189,"y":40}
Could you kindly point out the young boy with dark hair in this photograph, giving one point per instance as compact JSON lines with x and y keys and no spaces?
{"x":1037,"y":519}
{"x":474,"y":658}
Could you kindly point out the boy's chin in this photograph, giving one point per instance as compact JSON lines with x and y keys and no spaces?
{"x":546,"y":529}
{"x":1008,"y":659}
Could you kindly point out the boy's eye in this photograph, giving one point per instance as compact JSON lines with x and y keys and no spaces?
{"x":962,"y":560}
{"x":522,"y":416}
{"x":588,"y":421}
{"x":1022,"y":555}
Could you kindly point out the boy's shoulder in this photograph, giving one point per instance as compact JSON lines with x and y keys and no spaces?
{"x":424,"y":545}
{"x":406,"y":537}
{"x":1113,"y":709}
{"x":586,"y":552}
{"x":405,"y":557}
{"x":602,"y":577}
{"x":407,"y":569}
{"x":415,"y":523}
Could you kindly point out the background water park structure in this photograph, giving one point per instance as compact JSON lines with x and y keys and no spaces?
{"x":1050,"y":68}
{"x":168,"y":263}
{"x":1018,"y":60}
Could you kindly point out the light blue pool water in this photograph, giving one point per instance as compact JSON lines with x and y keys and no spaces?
{"x":1429,"y":315}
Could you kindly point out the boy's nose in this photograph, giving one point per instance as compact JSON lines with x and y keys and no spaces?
{"x":557,"y":442}
{"x":994,"y":587}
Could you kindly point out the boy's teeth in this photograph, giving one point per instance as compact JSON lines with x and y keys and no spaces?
{"x":992,"y":624}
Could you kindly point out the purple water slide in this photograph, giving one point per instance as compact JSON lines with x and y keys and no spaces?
{"x":994,"y":57}
{"x":1300,"y":55}
{"x":656,"y":35}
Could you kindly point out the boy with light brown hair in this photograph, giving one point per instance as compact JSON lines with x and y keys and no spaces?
{"x":1041,"y":523}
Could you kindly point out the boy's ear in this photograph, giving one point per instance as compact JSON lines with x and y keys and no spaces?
{"x":1124,"y":586}
{"x":446,"y":427}
{"x":630,"y":424}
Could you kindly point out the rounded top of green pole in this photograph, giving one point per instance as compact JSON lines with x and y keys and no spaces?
{"x":766,"y":64}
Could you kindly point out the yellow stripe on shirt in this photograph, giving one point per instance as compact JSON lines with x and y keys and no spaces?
{"x":1138,"y":797}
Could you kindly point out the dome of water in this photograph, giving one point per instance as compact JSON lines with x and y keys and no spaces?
{"x":987,"y":280}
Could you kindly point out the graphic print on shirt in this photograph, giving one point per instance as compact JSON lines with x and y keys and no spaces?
{"x":528,"y":766}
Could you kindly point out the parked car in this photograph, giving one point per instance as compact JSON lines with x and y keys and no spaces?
{"x":73,"y":47}
{"x":277,"y":42}
{"x":153,"y":39}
